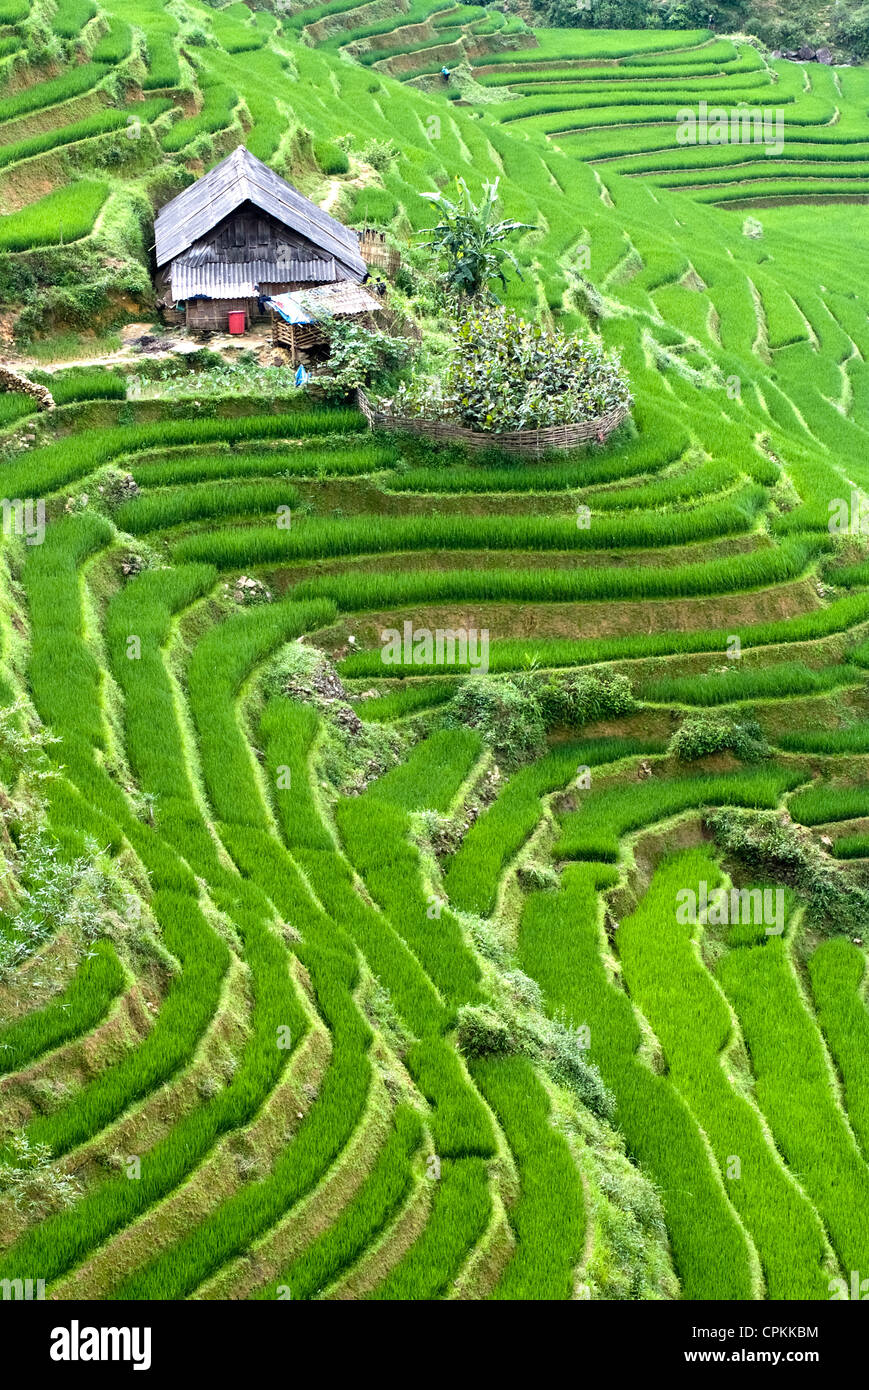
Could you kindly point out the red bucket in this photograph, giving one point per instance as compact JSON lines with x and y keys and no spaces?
{"x":236,"y":321}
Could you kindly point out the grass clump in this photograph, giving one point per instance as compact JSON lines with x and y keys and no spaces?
{"x":705,"y":734}
{"x":513,"y":714}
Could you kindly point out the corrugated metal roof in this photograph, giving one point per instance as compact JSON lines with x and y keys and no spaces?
{"x":303,"y":306}
{"x":242,"y":178}
{"x":341,"y":298}
{"x":243,"y":280}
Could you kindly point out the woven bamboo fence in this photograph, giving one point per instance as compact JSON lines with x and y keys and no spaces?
{"x":377,"y":252}
{"x":527,"y":442}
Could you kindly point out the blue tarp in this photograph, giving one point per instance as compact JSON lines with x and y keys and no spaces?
{"x":289,"y":308}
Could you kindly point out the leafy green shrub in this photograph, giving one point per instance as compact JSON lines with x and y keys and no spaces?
{"x":704,"y":734}
{"x":570,"y":1065}
{"x":360,"y":357}
{"x":482,"y":1032}
{"x":581,"y":697}
{"x":56,"y":895}
{"x":513,"y":714}
{"x":508,"y":718}
{"x":508,"y":374}
{"x":470,"y":242}
{"x":380,"y":154}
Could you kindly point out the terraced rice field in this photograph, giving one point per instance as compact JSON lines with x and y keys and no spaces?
{"x":336,"y":998}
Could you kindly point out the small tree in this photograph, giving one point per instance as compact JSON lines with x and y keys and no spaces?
{"x":470,"y":240}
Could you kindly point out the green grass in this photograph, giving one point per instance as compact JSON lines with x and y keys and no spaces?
{"x":102,"y":123}
{"x":369,"y":592}
{"x":512,"y":655}
{"x":852,"y":847}
{"x":65,"y":215}
{"x":171,"y":469}
{"x":461,"y":1211}
{"x":402,"y":704}
{"x":184,"y":1014}
{"x":47,"y":469}
{"x":185,"y":724}
{"x":613,"y":811}
{"x":374,"y":833}
{"x":222,"y":660}
{"x":235,"y":30}
{"x":779,"y":682}
{"x":71,"y":16}
{"x":77,"y":1009}
{"x":668,"y":982}
{"x":144,"y":610}
{"x":241,"y":1218}
{"x":161,"y":508}
{"x":793,"y":1089}
{"x":837,"y":970}
{"x":560,"y":944}
{"x":115,"y":44}
{"x":220,"y":101}
{"x":83,"y":384}
{"x":851,"y":740}
{"x":473,"y":875}
{"x":372,"y":536}
{"x":823,"y":803}
{"x":361,"y":1220}
{"x":13,"y":405}
{"x":549,"y":1218}
{"x":556,"y":476}
{"x":432,"y":772}
{"x":72,"y":83}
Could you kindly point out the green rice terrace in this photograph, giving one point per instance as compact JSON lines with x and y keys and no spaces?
{"x":342,"y":957}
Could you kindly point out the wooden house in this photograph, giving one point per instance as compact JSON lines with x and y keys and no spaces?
{"x":241,"y":234}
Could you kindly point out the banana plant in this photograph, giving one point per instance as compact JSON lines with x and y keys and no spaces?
{"x":469,"y":239}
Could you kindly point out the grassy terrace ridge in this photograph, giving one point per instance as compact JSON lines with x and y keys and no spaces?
{"x":343,"y":957}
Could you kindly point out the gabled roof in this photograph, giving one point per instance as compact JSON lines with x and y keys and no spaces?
{"x":242,"y":178}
